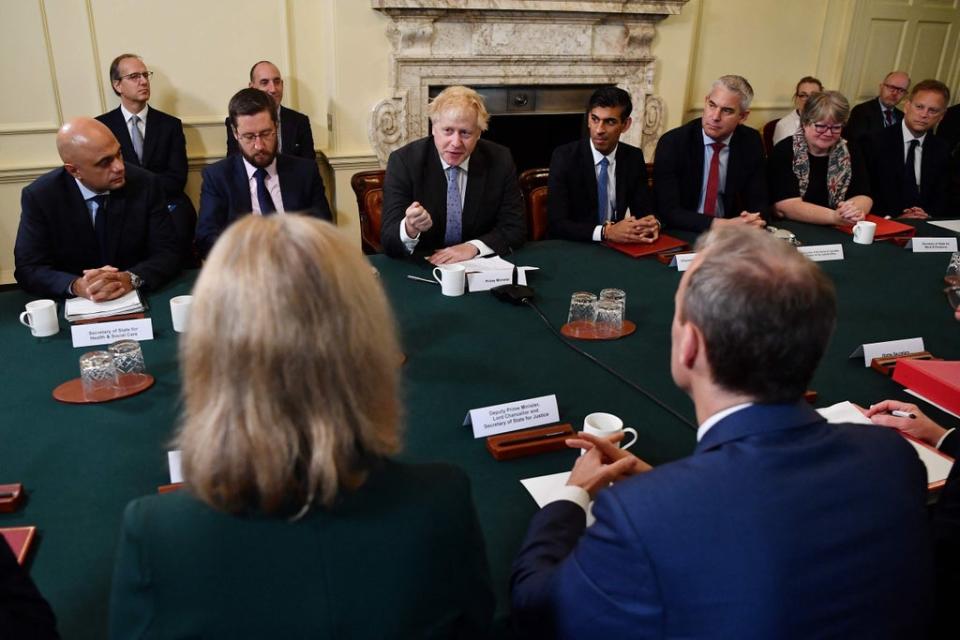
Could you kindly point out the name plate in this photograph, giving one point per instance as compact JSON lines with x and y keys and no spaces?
{"x":888,"y":349}
{"x":486,"y":280}
{"x":513,"y":416}
{"x":682,"y":261}
{"x":173,"y":461}
{"x":87,"y":335}
{"x":823,"y":252}
{"x":932,"y":245}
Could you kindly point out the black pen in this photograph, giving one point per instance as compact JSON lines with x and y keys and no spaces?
{"x":542,"y":436}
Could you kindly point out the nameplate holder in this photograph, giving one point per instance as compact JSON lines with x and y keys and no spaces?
{"x":822,"y":252}
{"x":513,"y":416}
{"x":888,"y":349}
{"x":682,"y":261}
{"x":88,"y":335}
{"x":174,"y":463}
{"x":932,"y":245}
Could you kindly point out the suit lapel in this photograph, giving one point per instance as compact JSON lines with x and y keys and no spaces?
{"x":621,"y":196}
{"x":588,"y":177}
{"x":152,"y":134}
{"x":290,"y":200}
{"x":476,"y":183}
{"x":116,"y":205}
{"x":122,"y":131}
{"x":695,"y":149}
{"x":288,"y":131}
{"x":241,"y":185}
{"x":80,"y":214}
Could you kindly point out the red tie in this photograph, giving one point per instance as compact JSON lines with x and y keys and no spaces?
{"x":713,"y":181}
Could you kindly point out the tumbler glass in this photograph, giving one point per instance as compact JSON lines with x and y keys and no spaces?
{"x":97,"y":372}
{"x":583,"y":307}
{"x":127,"y":356}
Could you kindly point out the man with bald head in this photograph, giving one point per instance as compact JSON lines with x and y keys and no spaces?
{"x":880,"y":112}
{"x":296,"y":137}
{"x":95,"y":227}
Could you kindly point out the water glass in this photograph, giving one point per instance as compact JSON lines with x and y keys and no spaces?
{"x":609,"y":317}
{"x":583,"y":307}
{"x":97,"y":373}
{"x":617,"y":295}
{"x":127,"y":357}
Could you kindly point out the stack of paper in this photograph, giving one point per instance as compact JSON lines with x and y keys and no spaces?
{"x":484,"y":274}
{"x":82,"y":309}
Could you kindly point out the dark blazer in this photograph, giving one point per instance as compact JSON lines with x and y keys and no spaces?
{"x":492,"y":207}
{"x":946,"y":544}
{"x":23,"y":611}
{"x":572,"y":189}
{"x":225,"y":194}
{"x":678,"y":176}
{"x":165,"y":155}
{"x":949,"y":129}
{"x":56,"y":240}
{"x":778,"y":526}
{"x":883,"y":152}
{"x":295,"y":134}
{"x":867,"y":117}
{"x":402,"y":557}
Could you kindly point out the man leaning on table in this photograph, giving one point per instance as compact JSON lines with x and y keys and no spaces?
{"x":779,"y":525}
{"x":452,"y":195}
{"x":598,"y":186}
{"x":95,"y":227}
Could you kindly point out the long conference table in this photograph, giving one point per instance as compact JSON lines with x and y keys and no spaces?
{"x":81,"y":464}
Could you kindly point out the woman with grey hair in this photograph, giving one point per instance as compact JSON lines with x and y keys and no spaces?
{"x":814,"y":175}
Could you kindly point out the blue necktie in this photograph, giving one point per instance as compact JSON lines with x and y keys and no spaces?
{"x":100,"y":225}
{"x":263,"y":195}
{"x":603,"y":203}
{"x":454,"y":233}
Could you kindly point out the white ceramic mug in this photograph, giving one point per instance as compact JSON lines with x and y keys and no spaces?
{"x":452,"y":278}
{"x":41,"y":317}
{"x":603,"y":425}
{"x":180,"y":312}
{"x":863,"y":232}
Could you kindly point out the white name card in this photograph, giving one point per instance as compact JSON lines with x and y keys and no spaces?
{"x":682,"y":261}
{"x":887,"y":349}
{"x":512,"y":416}
{"x":173,"y":461}
{"x":823,"y":252}
{"x":486,"y":280}
{"x":932,"y":245}
{"x":87,"y":335}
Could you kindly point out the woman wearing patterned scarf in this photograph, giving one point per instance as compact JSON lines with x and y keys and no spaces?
{"x":814,"y":175}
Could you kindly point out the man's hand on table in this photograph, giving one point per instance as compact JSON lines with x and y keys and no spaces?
{"x":643,"y":230}
{"x":745,"y":217}
{"x":914,"y":213}
{"x":416,"y":220}
{"x":456,"y":253}
{"x":922,"y":428}
{"x":603,"y":463}
{"x":100,"y":285}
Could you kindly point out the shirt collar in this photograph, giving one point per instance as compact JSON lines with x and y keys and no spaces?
{"x":597,"y":156}
{"x":128,"y":114}
{"x":707,"y":140}
{"x":908,"y":135}
{"x":87,"y":193}
{"x":271,"y":168}
{"x":465,"y":165}
{"x":717,"y":417}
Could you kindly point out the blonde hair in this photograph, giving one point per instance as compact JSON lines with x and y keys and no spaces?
{"x":289,"y":369}
{"x":459,"y":99}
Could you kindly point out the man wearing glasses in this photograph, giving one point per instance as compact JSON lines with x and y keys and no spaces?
{"x":876,"y":114}
{"x":153,"y":140}
{"x":258,"y":180}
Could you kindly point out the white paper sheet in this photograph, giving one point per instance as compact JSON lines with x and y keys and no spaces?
{"x":931,"y":402}
{"x":542,"y":488}
{"x":950,"y":225}
{"x":173,"y":461}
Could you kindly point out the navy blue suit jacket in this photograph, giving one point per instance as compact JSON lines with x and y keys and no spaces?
{"x":572,"y":189}
{"x":295,"y":134}
{"x":56,"y":240}
{"x":165,"y":155}
{"x":778,"y":526}
{"x":225,"y":194}
{"x":883,"y":152}
{"x":492,"y":206}
{"x":678,"y":176}
{"x":867,"y":117}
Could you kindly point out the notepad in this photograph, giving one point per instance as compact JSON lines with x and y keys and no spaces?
{"x":82,"y":309}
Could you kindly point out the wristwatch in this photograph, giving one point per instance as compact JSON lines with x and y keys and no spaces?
{"x":135,"y":281}
{"x":783,"y":234}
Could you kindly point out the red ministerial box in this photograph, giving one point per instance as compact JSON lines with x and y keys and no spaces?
{"x":885,"y":228}
{"x":936,"y":380}
{"x":663,"y":243}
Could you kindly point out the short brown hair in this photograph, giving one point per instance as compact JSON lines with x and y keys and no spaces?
{"x":249,"y":102}
{"x":459,"y":98}
{"x":808,"y":80}
{"x":826,"y":105}
{"x":931,"y":85}
{"x":290,"y":369}
{"x":115,"y":68}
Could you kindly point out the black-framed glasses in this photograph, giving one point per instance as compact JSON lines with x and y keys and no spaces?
{"x":140,"y":75}
{"x":266,"y":136}
{"x":819,"y":127}
{"x":894,"y":88}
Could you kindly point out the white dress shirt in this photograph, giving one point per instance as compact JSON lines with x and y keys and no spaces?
{"x":273,"y":186}
{"x":918,"y":154}
{"x":786,"y":126}
{"x":611,"y":183}
{"x":142,"y":125}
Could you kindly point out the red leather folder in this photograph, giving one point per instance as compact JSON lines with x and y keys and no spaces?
{"x":663,"y":243}
{"x":19,"y":539}
{"x":936,"y":380}
{"x":886,"y":229}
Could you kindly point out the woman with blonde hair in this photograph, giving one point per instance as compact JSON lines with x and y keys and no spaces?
{"x":295,"y":521}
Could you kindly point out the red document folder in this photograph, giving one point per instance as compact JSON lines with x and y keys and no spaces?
{"x":885,"y":228}
{"x":936,"y":380}
{"x":19,"y":539}
{"x":663,"y":243}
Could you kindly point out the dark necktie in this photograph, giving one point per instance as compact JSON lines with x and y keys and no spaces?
{"x":911,"y":192}
{"x":454,"y":232}
{"x":263,"y":195}
{"x":603,"y":182}
{"x":100,"y":226}
{"x":713,"y":181}
{"x":888,"y":117}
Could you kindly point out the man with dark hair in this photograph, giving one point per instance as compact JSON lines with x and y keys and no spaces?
{"x":152,"y":139}
{"x":96,"y":227}
{"x":778,"y":526}
{"x":597,"y":188}
{"x":294,"y":136}
{"x":909,"y":169}
{"x":710,"y":171}
{"x":878,"y":113}
{"x":258,"y":179}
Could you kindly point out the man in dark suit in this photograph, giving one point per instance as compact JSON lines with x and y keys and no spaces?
{"x":779,"y":525}
{"x":710,"y":171}
{"x":452,"y":195}
{"x":909,"y":169}
{"x":949,"y":129}
{"x":597,"y":188}
{"x":95,"y":228}
{"x":880,"y":112}
{"x":151,"y":139}
{"x":258,"y":180}
{"x":295,"y":136}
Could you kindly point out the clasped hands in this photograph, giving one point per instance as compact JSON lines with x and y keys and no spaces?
{"x":105,"y":283}
{"x":643,"y":230}
{"x":914,"y":213}
{"x":416,"y":220}
{"x":745,"y":217}
{"x":603,"y":463}
{"x":850,"y":213}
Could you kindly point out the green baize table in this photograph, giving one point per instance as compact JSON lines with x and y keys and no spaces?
{"x":80,"y":465}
